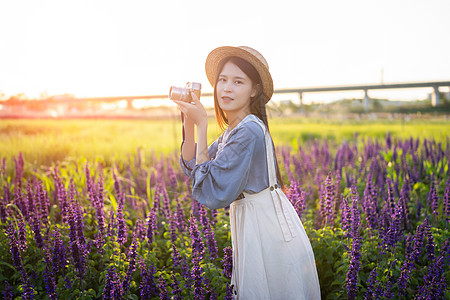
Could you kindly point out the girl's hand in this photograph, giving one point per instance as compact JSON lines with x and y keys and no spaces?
{"x":194,"y":111}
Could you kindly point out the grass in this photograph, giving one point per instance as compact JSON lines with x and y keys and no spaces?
{"x":46,"y":141}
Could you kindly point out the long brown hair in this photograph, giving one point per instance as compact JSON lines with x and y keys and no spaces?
{"x":257,"y":103}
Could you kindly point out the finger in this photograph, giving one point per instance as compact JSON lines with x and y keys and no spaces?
{"x":180,"y":103}
{"x":194,"y":96}
{"x":182,"y":109}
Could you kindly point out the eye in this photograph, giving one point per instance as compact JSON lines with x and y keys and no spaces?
{"x":238,"y":82}
{"x":221,"y":79}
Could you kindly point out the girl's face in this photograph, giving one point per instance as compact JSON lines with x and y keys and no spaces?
{"x":234,"y":89}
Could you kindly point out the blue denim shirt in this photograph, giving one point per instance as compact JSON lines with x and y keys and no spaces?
{"x":236,"y":165}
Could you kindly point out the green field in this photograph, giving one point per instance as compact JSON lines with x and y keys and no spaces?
{"x":375,"y":211}
{"x":43,"y":142}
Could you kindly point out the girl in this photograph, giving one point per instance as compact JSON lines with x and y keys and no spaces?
{"x":272,"y":255}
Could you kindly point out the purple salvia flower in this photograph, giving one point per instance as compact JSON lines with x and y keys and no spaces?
{"x":62,"y":200}
{"x":370,"y":293}
{"x":180,"y":217}
{"x":28,"y":291}
{"x":352,"y":274}
{"x":116,"y":184}
{"x":176,"y":290}
{"x":99,"y":242}
{"x":58,"y":252}
{"x":345,"y":217}
{"x":208,"y":288}
{"x":49,"y":281}
{"x":434,"y":200}
{"x":89,"y":181}
{"x":430,"y":240}
{"x":100,"y":196}
{"x":44,"y":203}
{"x":434,"y":286}
{"x":197,"y":270}
{"x":328,"y":200}
{"x":77,"y":251}
{"x":77,"y":215}
{"x":151,"y":224}
{"x":197,"y":245}
{"x":286,"y":160}
{"x":390,"y":197}
{"x":163,"y":294}
{"x":388,"y":140}
{"x":197,"y":255}
{"x":337,"y":193}
{"x":395,"y":228}
{"x":195,"y":207}
{"x":411,"y":258}
{"x":445,"y":252}
{"x":30,"y":203}
{"x":180,"y":263}
{"x":112,"y":289}
{"x":3,"y":202}
{"x":67,"y":282}
{"x":37,"y":232}
{"x":388,"y":293}
{"x":172,"y":228}
{"x":22,"y":234}
{"x":19,"y":201}
{"x":131,"y":265}
{"x":139,"y":230}
{"x":148,"y":286}
{"x":157,"y":198}
{"x":14,"y":248}
{"x":297,"y":197}
{"x":370,"y":203}
{"x":404,"y":197}
{"x":227,"y":261}
{"x":166,"y":202}
{"x":122,"y":231}
{"x":111,"y":231}
{"x":321,"y":215}
{"x":229,"y":292}
{"x":446,"y":200}
{"x":208,"y":234}
{"x":430,"y":193}
{"x":172,"y":177}
{"x":8,"y":292}
{"x":19,"y":170}
{"x":213,"y":218}
{"x":176,"y":258}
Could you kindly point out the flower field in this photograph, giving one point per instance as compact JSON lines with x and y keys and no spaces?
{"x":375,"y":207}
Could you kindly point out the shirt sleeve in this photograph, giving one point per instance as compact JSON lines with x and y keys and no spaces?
{"x":218,"y":182}
{"x":212,"y":149}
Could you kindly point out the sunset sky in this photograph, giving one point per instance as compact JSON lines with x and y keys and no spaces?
{"x":113,"y":48}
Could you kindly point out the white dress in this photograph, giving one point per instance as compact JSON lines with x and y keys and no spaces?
{"x":272,"y":255}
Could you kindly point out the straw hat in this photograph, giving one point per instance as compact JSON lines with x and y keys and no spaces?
{"x":249,"y":54}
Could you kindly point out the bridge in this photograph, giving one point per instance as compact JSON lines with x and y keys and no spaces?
{"x":435,"y":85}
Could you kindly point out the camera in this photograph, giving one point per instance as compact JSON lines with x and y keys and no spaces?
{"x":178,"y":93}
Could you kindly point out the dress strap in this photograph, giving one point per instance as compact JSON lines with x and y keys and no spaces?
{"x":278,"y":197}
{"x":269,"y":153}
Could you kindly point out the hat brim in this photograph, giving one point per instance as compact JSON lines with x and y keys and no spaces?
{"x":217,"y":55}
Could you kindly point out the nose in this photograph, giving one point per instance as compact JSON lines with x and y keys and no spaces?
{"x":227,"y":88}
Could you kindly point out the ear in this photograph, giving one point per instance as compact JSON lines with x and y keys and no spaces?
{"x":255,"y":90}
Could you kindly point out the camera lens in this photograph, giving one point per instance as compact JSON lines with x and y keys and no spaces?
{"x":175,"y":93}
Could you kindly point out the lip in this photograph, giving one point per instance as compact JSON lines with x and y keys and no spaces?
{"x":227,"y":99}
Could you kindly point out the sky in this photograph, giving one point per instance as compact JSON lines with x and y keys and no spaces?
{"x":123,"y":48}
